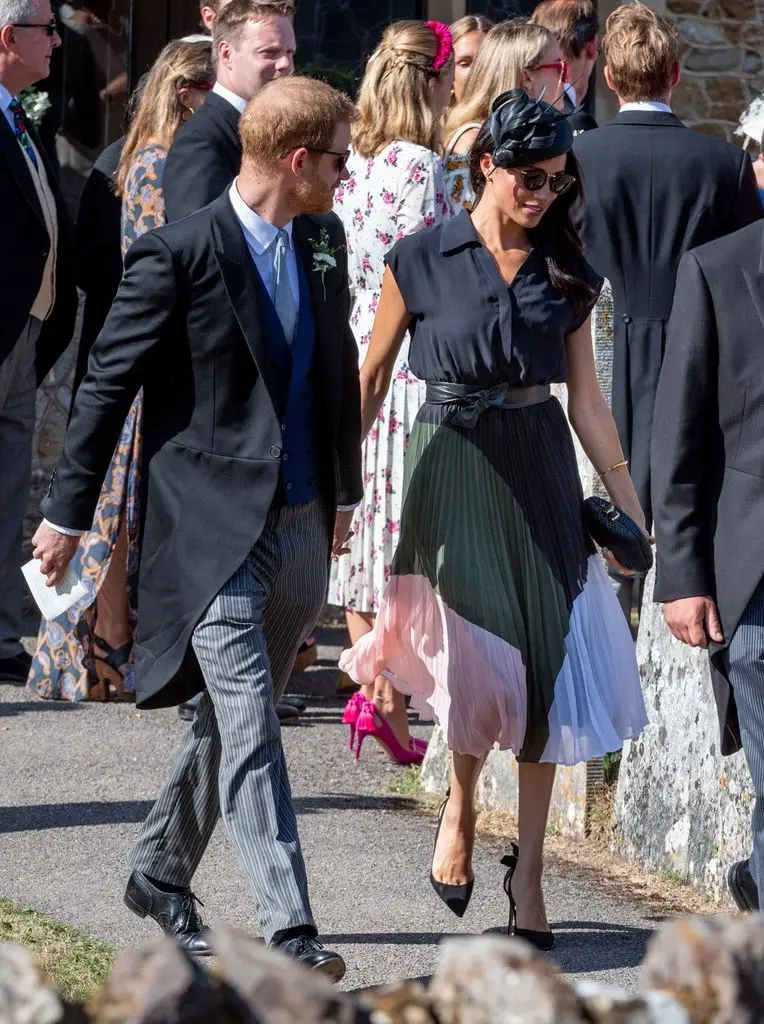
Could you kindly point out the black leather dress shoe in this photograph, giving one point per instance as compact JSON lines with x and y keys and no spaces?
{"x":174,"y":912}
{"x":286,"y":713}
{"x":16,"y":669}
{"x":742,"y":886}
{"x":308,"y":951}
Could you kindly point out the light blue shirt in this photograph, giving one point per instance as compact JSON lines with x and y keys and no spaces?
{"x":5,"y":102}
{"x":261,"y":238}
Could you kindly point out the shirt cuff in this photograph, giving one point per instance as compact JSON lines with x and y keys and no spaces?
{"x":348,"y":508}
{"x":67,"y":532}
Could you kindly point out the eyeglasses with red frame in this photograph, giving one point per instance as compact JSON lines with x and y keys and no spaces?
{"x":555,"y":65}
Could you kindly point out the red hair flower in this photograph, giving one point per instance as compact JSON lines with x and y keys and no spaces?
{"x":445,"y":44}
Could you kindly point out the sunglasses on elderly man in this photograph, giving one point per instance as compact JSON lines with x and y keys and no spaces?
{"x":534,"y":178}
{"x":49,"y":27}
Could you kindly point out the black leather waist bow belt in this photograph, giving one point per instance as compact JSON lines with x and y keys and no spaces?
{"x":471,"y":401}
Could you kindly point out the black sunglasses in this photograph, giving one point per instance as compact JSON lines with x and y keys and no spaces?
{"x":342,"y":158}
{"x":534,"y":178}
{"x":50,"y":27}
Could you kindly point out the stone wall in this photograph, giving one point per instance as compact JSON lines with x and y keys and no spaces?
{"x":681,"y":807}
{"x":722,"y":55}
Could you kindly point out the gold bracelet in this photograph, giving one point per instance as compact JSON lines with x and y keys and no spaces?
{"x":616,"y":465}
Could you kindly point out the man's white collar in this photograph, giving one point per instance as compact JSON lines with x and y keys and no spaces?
{"x":662,"y":108}
{"x":260,"y":233}
{"x":233,"y":99}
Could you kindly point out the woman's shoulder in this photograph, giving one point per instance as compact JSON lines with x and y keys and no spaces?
{"x":147,"y":164}
{"x":462,"y":138}
{"x":415,"y":246}
{"x":404,"y":156}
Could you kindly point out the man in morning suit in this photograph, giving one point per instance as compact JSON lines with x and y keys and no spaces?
{"x":708,"y":495}
{"x":254,"y":43}
{"x":37,"y":294}
{"x":252,"y":467}
{"x":654,"y":189}
{"x":576,"y":27}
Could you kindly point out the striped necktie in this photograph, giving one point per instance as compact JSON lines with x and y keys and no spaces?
{"x":20,"y":128}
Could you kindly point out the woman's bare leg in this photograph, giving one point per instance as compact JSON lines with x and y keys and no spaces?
{"x":112,"y":604}
{"x":389,"y":702}
{"x":535,"y":783}
{"x":452,"y":859}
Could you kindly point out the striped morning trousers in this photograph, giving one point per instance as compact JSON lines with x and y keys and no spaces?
{"x":231,"y":758}
{"x":746,"y":674}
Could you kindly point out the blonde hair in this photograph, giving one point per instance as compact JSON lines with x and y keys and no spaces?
{"x":470,"y":23}
{"x":510,"y":48}
{"x":289,"y":113}
{"x":394,"y":101}
{"x":160,"y":113}
{"x":641,"y":50}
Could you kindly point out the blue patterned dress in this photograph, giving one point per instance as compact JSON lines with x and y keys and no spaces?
{"x":62,"y":666}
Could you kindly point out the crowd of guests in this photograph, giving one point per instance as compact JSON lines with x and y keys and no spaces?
{"x":263,"y":383}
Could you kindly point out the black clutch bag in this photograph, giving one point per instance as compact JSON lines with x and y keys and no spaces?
{"x":610,"y":527}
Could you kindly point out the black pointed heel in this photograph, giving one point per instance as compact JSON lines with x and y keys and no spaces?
{"x":456,"y":897}
{"x":543,"y":941}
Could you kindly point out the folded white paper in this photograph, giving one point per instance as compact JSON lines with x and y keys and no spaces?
{"x":53,"y":601}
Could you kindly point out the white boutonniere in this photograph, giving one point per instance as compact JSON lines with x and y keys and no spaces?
{"x":324,"y":255}
{"x":35,"y":104}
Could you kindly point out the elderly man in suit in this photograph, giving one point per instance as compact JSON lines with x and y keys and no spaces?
{"x":708,"y":495}
{"x":654,"y":189}
{"x":239,"y":336}
{"x":37,"y":295}
{"x":254,"y":44}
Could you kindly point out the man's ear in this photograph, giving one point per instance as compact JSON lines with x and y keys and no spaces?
{"x":298,"y":160}
{"x":591,"y":49}
{"x":7,"y":36}
{"x":609,"y":80}
{"x":676,"y":75}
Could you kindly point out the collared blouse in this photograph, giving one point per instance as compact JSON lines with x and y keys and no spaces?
{"x":469,"y":326}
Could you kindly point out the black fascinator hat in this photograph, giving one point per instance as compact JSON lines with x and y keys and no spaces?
{"x":526,"y":130}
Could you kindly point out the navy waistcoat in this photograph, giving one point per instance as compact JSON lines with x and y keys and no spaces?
{"x":292,"y":376}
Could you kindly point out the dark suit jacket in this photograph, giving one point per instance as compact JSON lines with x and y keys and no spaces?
{"x":24,"y":251}
{"x":708,"y":440}
{"x":186,"y":327}
{"x":204,"y":158}
{"x":98,"y":251}
{"x":581,"y":121}
{"x":654,"y":189}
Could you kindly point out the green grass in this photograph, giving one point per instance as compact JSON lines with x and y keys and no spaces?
{"x":76,"y":963}
{"x":406,"y":783}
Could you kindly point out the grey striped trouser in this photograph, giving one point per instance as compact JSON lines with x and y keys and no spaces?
{"x":746,"y":674}
{"x":231,"y":758}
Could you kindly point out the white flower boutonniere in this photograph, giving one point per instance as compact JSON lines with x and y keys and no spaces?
{"x":35,"y":104}
{"x":324,"y":255}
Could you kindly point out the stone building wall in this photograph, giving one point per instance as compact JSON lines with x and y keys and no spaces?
{"x":722,"y":55}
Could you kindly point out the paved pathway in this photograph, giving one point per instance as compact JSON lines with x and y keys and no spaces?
{"x":78,"y":779}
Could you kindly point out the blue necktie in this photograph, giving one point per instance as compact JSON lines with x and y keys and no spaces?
{"x":281,"y":291}
{"x":20,"y":129}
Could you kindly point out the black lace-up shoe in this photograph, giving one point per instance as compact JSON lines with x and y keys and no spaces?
{"x":309,"y":951}
{"x":742,"y":886}
{"x":174,"y":912}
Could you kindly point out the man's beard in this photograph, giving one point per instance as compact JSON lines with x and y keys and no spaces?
{"x":312,"y":197}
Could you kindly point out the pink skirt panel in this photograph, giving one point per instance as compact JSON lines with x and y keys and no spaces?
{"x":424,"y":647}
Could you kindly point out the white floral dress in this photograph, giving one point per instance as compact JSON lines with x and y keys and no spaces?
{"x":388,"y":196}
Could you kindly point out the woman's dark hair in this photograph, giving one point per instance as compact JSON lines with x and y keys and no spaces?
{"x":555,"y":237}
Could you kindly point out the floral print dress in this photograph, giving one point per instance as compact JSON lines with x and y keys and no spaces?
{"x":386,"y":197}
{"x":62,"y":668}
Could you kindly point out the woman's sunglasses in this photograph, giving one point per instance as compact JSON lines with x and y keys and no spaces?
{"x":534,"y":178}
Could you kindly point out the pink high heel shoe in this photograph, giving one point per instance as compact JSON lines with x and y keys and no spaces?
{"x":351,"y":713}
{"x":371,"y":723}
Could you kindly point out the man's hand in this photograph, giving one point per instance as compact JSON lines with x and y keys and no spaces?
{"x":694,"y":620}
{"x":342,"y":533}
{"x":55,"y":550}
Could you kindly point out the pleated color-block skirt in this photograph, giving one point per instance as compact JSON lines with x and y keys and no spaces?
{"x":499,"y":619}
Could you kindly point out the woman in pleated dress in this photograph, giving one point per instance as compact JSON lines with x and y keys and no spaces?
{"x":499,"y":620}
{"x":395,"y":188}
